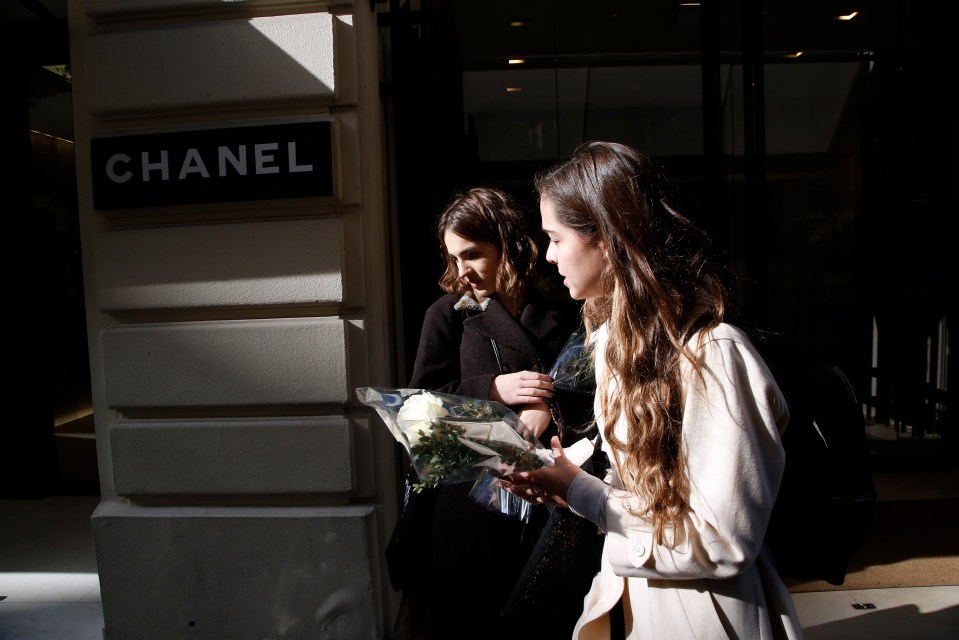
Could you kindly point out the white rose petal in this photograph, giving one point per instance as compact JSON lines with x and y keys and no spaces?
{"x":423,"y":406}
{"x":414,"y":432}
{"x":417,"y":412}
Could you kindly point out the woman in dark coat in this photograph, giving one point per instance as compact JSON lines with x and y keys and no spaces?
{"x":492,"y":336}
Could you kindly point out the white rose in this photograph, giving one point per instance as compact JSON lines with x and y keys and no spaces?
{"x":417,"y":412}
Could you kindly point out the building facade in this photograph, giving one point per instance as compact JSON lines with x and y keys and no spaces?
{"x":231,"y":312}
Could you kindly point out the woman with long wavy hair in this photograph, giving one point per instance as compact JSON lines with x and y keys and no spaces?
{"x":688,"y":412}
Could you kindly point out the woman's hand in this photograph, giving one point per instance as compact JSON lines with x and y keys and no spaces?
{"x":536,"y":417}
{"x":523,"y":387}
{"x":544,"y":486}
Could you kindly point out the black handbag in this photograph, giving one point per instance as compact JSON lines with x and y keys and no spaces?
{"x":561,"y":567}
{"x":560,"y":570}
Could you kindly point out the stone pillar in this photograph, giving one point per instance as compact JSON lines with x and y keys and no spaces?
{"x":245,"y":493}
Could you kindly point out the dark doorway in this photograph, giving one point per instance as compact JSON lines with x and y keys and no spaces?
{"x":810,"y":140}
{"x":50,"y":440}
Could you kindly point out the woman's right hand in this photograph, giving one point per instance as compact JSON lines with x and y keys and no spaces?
{"x":549,"y":485}
{"x":523,"y":387}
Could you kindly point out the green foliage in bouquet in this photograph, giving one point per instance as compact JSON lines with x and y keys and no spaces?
{"x":442,"y":451}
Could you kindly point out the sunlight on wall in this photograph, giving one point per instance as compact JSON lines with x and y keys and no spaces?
{"x":50,"y":587}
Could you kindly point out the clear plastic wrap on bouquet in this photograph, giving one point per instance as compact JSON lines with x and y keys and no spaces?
{"x":453,"y":438}
{"x":574,"y":386}
{"x":573,"y":368}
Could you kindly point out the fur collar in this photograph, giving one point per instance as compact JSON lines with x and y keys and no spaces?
{"x":469,"y":303}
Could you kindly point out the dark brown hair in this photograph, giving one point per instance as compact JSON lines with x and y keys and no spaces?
{"x":490,"y":215}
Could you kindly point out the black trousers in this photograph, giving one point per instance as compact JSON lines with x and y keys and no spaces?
{"x":617,"y":622}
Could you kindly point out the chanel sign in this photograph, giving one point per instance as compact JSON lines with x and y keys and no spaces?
{"x":292,"y":160}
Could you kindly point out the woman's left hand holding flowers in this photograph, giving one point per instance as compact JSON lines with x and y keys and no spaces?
{"x":549,"y":485}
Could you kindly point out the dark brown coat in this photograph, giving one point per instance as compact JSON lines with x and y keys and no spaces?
{"x":473,"y":557}
{"x":456,"y":354}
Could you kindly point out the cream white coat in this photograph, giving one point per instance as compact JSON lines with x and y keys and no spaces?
{"x":718,"y":581}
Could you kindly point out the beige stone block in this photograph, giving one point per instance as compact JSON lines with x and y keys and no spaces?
{"x":240,"y":456}
{"x":211,"y":64}
{"x":235,"y":572}
{"x":225,"y":363}
{"x":118,"y":9}
{"x":291,"y":262}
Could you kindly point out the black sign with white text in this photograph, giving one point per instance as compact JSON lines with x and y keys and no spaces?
{"x":292,"y":160}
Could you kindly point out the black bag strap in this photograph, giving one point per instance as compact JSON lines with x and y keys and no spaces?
{"x":499,"y":360}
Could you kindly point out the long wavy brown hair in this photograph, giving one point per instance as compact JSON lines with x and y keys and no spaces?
{"x":660,"y":287}
{"x":484,"y":214}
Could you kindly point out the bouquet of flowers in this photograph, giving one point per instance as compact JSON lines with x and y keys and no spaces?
{"x":452,"y":438}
